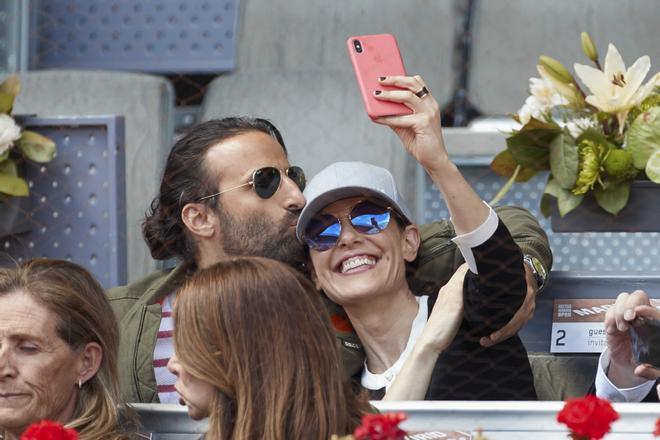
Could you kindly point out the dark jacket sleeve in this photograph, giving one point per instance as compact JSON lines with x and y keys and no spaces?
{"x":439,"y":257}
{"x":493,"y":296}
{"x":652,"y":396}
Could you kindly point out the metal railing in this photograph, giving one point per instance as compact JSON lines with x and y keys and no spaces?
{"x":498,"y":420}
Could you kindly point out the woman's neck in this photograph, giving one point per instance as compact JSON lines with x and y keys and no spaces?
{"x":383,"y":325}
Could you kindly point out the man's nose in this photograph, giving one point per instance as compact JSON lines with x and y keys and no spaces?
{"x":293,"y":196}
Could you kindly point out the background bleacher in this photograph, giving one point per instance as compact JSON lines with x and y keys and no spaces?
{"x":163,"y":65}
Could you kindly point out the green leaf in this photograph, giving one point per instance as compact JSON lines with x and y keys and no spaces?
{"x":6,"y":102}
{"x":36,"y":147}
{"x":9,"y":89}
{"x":536,"y":124}
{"x":643,"y":137}
{"x":566,"y":200}
{"x":505,"y":165}
{"x":530,"y":145}
{"x":11,"y":85}
{"x":564,"y":160}
{"x":614,"y":198}
{"x":13,"y":186}
{"x":8,"y":167}
{"x":546,"y":205}
{"x":4,"y":156}
{"x":552,"y":188}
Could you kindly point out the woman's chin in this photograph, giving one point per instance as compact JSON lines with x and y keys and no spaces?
{"x":196,"y":414}
{"x":193,"y":412}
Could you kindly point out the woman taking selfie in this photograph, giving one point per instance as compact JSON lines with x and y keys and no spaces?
{"x":58,"y":351}
{"x":361,"y":238}
{"x":255,"y":354}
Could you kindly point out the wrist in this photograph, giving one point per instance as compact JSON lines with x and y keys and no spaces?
{"x":622,"y":374}
{"x":428,"y":349}
{"x":536,"y":269}
{"x":440,"y":167}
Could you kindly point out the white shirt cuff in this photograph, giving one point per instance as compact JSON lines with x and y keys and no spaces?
{"x":476,"y":237}
{"x":607,"y":390}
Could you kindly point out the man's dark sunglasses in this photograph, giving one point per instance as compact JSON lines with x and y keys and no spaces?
{"x":266,"y":181}
{"x":366,"y":217}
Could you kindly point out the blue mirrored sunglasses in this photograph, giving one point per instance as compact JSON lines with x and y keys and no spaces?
{"x":366,"y":217}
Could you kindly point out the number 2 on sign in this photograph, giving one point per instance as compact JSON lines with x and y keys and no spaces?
{"x":561,"y":335}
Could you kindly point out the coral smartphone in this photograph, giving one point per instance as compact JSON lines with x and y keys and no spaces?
{"x":373,"y":56}
{"x":646,"y":342}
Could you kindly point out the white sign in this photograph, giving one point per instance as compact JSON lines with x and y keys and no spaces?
{"x":577,"y":325}
{"x":578,"y":337}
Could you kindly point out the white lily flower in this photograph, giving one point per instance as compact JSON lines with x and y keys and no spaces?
{"x":546,"y":93}
{"x":543,"y":96}
{"x":9,"y":133}
{"x":656,"y":79}
{"x":615,"y":89}
{"x":530,"y":109}
{"x":567,"y":91}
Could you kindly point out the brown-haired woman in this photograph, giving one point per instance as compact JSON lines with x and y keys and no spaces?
{"x":58,"y":351}
{"x":255,"y":353}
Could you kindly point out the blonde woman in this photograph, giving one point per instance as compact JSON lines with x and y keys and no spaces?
{"x":58,"y":351}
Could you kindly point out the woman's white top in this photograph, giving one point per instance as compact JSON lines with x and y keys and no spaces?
{"x":374,"y":381}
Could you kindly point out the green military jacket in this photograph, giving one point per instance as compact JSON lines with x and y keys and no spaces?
{"x":139,"y":313}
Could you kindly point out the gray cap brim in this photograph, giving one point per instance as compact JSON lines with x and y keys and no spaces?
{"x":343,"y":180}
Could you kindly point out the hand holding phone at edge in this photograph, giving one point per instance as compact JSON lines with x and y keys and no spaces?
{"x":623,"y":371}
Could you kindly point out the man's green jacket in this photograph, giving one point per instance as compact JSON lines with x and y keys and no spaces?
{"x":139,"y":312}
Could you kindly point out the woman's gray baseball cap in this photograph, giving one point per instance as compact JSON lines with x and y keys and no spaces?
{"x":343,"y":180}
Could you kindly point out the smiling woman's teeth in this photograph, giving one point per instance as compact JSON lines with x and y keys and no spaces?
{"x":354,"y":262}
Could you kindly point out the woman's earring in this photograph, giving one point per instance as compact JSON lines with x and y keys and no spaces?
{"x":79,"y":383}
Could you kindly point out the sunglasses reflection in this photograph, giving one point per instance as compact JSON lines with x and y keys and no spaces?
{"x":365,"y":217}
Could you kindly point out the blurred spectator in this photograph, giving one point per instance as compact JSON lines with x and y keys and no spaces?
{"x":619,"y":378}
{"x":255,"y":354}
{"x":58,"y":351}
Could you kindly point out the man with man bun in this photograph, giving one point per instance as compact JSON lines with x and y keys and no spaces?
{"x":228,"y":189}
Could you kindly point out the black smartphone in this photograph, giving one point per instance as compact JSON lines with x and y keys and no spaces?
{"x":646,"y":342}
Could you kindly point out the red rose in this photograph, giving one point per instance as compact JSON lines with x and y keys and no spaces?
{"x":656,"y":433}
{"x":380,"y":427}
{"x":46,"y":430}
{"x":588,"y":417}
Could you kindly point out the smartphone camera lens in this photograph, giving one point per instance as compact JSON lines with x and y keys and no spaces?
{"x":357,"y":45}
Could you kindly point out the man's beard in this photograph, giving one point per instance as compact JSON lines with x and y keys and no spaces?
{"x":261,"y":237}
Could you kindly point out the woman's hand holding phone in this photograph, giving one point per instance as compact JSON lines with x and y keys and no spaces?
{"x":416,"y":122}
{"x":421,"y":131}
{"x":394,"y":99}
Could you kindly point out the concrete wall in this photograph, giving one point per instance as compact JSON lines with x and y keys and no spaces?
{"x":293,"y":68}
{"x":509,"y":36}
